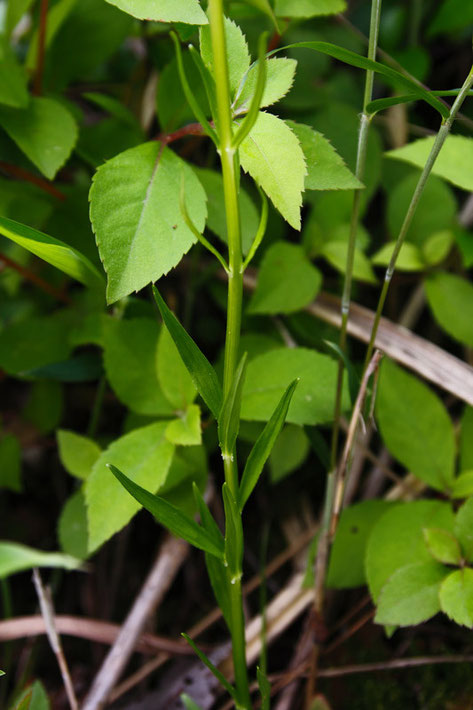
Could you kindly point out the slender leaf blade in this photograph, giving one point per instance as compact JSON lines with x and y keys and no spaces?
{"x":229,"y":419}
{"x":220,"y":677}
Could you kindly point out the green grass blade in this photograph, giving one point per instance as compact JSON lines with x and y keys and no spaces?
{"x":263,"y":446}
{"x":233,"y":533}
{"x":229,"y":420}
{"x":200,"y":369}
{"x":171,"y":517}
{"x":353,"y":380}
{"x":219,"y":676}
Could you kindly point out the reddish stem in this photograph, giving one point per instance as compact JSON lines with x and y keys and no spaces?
{"x":192,"y":129}
{"x":43,"y":21}
{"x":22,"y":174}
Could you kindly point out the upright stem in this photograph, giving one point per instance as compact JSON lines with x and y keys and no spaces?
{"x":355,"y":218}
{"x":436,"y":148}
{"x":230,"y":174}
{"x":43,"y":21}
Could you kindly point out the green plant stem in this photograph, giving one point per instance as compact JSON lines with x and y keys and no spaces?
{"x":354,"y":221}
{"x":230,"y":174}
{"x":436,"y":148}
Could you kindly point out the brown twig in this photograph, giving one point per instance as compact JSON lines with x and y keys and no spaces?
{"x":47,"y":611}
{"x":43,"y":22}
{"x":22,"y":174}
{"x":192,"y":129}
{"x":34,"y":278}
{"x":168,"y":562}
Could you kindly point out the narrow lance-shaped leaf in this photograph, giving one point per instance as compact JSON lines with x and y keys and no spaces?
{"x":53,"y":251}
{"x":233,"y":533}
{"x":229,"y":420}
{"x":170,"y":516}
{"x":393,"y":77}
{"x":206,"y":517}
{"x":200,"y":369}
{"x":262,"y":448}
{"x":206,"y":661}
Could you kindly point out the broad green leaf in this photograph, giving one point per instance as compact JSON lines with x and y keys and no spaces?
{"x":397,"y":539}
{"x":287,"y":281}
{"x":415,"y":426}
{"x":233,"y":534}
{"x":309,"y":8}
{"x":409,"y":259}
{"x":13,"y":78}
{"x":34,"y":697}
{"x":463,"y":485}
{"x":268,"y":375}
{"x":261,"y":450}
{"x":411,"y":595}
{"x":187,"y":11}
{"x":53,"y":251}
{"x":335,"y":252}
{"x":279,"y":79}
{"x":451,"y":15}
{"x":466,"y":440}
{"x":347,"y":559}
{"x":176,"y":382}
{"x":72,"y":526}
{"x":136,"y":216}
{"x":442,"y":545}
{"x":289,"y":452}
{"x":130,"y":364}
{"x":456,"y":596}
{"x":32,"y":343}
{"x":170,"y":516}
{"x":10,"y":463}
{"x":45,"y":131}
{"x":200,"y":369}
{"x":186,"y":429}
{"x":238,"y":55}
{"x":206,"y":661}
{"x":272,"y":155}
{"x":212,"y":183}
{"x":326,"y":169}
{"x":437,"y":247}
{"x":16,"y":558}
{"x":453,"y":163}
{"x":464,"y":528}
{"x":451,"y":299}
{"x":77,"y":453}
{"x":189,"y":704}
{"x":391,"y":76}
{"x":229,"y":419}
{"x":436,"y":209}
{"x":172,"y":107}
{"x":146,"y":455}
{"x":45,"y":405}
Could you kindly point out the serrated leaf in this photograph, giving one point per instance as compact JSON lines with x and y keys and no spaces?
{"x":187,"y":11}
{"x":336,"y":254}
{"x":326,"y":169}
{"x":273,"y":157}
{"x":130,"y":364}
{"x":308,"y":8}
{"x":174,"y":378}
{"x":53,"y":251}
{"x":453,"y":163}
{"x":261,"y":450}
{"x":186,"y":429}
{"x":397,"y":539}
{"x":10,"y":463}
{"x":77,"y":453}
{"x":269,"y":374}
{"x":409,"y":258}
{"x":45,"y":131}
{"x":16,"y":558}
{"x":451,"y":299}
{"x":136,"y":215}
{"x":170,"y":516}
{"x":442,"y":545}
{"x":72,"y":526}
{"x":287,"y":281}
{"x":200,"y":369}
{"x":411,"y":595}
{"x":13,"y":78}
{"x":146,"y":455}
{"x":279,"y":79}
{"x":238,"y":56}
{"x":464,"y":528}
{"x":415,"y":426}
{"x":456,"y":596}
